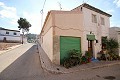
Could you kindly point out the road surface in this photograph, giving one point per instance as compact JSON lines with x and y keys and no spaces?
{"x":28,"y":67}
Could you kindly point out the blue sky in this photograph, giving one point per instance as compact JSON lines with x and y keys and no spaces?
{"x":12,"y":10}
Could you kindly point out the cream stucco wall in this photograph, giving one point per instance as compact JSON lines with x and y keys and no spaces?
{"x":47,"y":44}
{"x":69,"y":24}
{"x":47,"y":38}
{"x":66,"y":24}
{"x":96,"y":28}
{"x":72,"y":23}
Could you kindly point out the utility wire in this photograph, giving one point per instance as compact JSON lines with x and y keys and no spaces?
{"x":44,"y":4}
{"x":42,"y":12}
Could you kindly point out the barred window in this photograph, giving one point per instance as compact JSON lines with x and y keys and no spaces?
{"x":15,"y":33}
{"x":7,"y":32}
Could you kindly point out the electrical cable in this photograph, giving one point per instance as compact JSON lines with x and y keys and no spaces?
{"x":42,"y":12}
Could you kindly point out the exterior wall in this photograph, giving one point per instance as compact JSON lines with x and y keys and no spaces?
{"x":75,"y":23}
{"x":115,"y":34}
{"x":66,"y":24}
{"x":47,"y":38}
{"x":96,"y":28}
{"x":10,"y":33}
{"x":10,"y":36}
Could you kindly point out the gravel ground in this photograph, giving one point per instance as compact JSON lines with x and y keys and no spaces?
{"x":6,"y":46}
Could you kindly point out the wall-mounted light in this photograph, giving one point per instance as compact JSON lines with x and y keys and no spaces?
{"x":96,"y":41}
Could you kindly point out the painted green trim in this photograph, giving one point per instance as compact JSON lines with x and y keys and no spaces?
{"x":90,"y":37}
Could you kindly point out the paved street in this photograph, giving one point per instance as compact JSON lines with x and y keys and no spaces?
{"x":27,"y":66}
{"x":107,"y":73}
{"x":10,"y":56}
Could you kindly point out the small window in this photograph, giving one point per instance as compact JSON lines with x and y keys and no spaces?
{"x":15,"y":33}
{"x":7,"y":32}
{"x":94,"y":18}
{"x":102,"y":21}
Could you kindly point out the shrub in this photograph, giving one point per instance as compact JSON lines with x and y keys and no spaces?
{"x":73,"y":60}
{"x":88,"y":55}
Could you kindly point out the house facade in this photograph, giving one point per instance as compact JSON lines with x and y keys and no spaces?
{"x":7,"y":35}
{"x":81,"y":29}
{"x":115,"y":34}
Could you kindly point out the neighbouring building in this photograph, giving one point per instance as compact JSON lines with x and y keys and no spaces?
{"x":115,"y":34}
{"x":82,"y":29}
{"x":7,"y":35}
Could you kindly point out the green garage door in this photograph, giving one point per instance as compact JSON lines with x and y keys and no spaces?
{"x":67,"y":44}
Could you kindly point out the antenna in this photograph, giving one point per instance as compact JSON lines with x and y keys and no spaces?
{"x":60,"y":5}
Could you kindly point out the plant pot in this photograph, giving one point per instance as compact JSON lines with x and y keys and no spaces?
{"x":89,"y":60}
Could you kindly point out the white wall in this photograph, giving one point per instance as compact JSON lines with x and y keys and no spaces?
{"x":47,"y":38}
{"x":10,"y":32}
{"x":47,"y":44}
{"x":97,"y":29}
{"x":10,"y":36}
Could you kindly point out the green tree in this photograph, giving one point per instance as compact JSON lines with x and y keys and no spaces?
{"x":110,"y":44}
{"x":24,"y":25}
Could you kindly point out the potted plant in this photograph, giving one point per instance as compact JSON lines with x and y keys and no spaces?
{"x":88,"y":56}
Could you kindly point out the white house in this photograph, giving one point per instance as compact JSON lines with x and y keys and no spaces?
{"x":7,"y":35}
{"x":82,"y":29}
{"x":115,"y":34}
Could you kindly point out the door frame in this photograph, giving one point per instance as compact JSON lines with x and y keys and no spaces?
{"x":91,"y":47}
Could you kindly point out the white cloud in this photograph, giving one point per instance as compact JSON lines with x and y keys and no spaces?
{"x":110,"y":11}
{"x":9,"y":13}
{"x":35,"y":21}
{"x":117,"y":2}
{"x":2,"y":4}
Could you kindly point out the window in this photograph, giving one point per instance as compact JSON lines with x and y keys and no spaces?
{"x":94,"y":18}
{"x":15,"y":33}
{"x":7,"y":32}
{"x":102,"y":21}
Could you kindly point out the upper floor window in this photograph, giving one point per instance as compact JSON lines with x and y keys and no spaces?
{"x":7,"y":32}
{"x":15,"y":33}
{"x":102,"y":21}
{"x":94,"y":18}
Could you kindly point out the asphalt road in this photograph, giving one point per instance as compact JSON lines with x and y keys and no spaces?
{"x":106,"y":73}
{"x":28,"y":67}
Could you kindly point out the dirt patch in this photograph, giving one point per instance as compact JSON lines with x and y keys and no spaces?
{"x":6,"y":46}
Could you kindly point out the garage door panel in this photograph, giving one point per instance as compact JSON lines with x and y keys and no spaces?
{"x":67,"y":44}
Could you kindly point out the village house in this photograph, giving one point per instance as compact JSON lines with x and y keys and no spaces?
{"x":115,"y":34}
{"x":81,"y":29}
{"x":7,"y":35}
